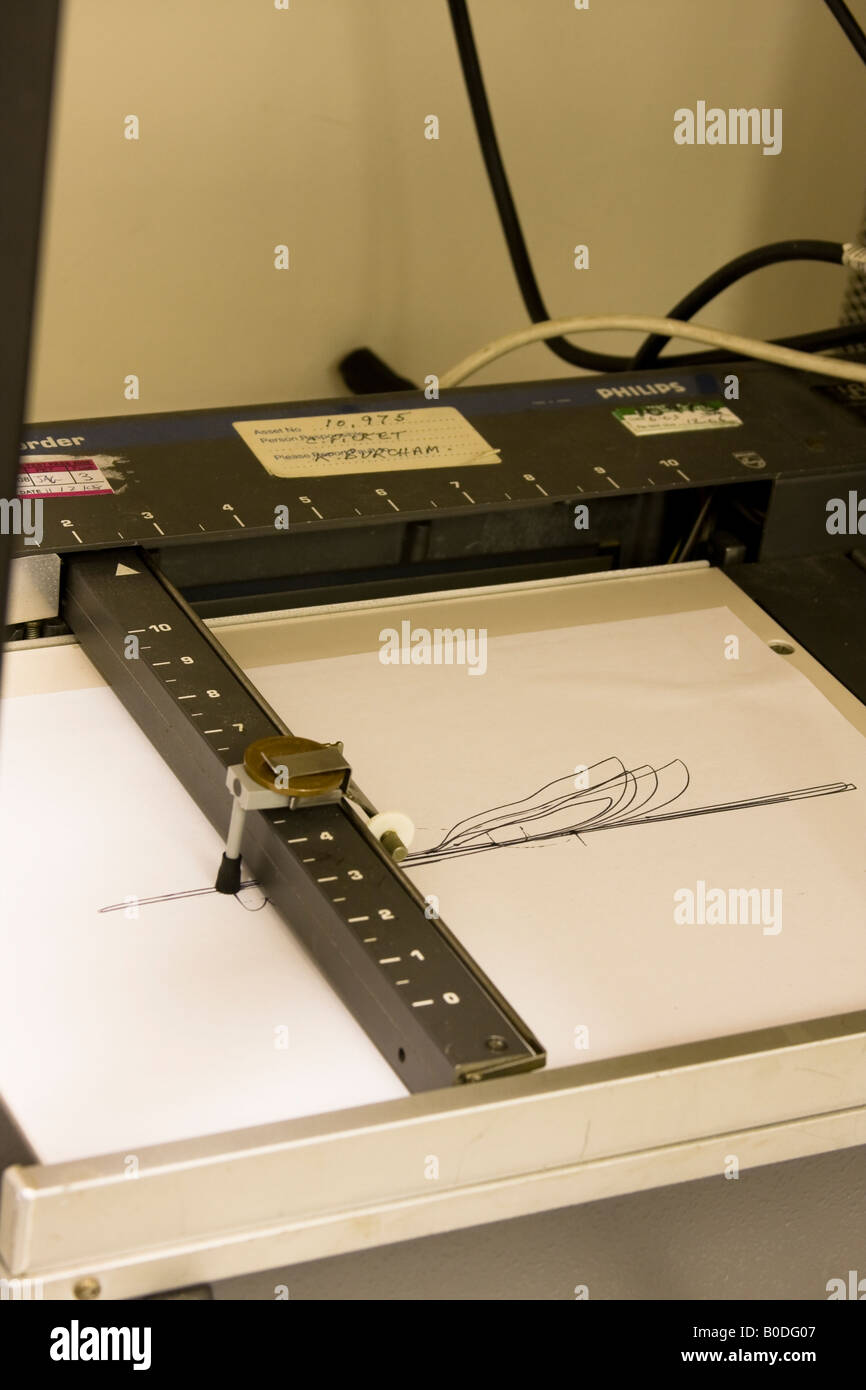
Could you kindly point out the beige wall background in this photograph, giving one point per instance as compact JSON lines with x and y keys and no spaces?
{"x":305,"y":126}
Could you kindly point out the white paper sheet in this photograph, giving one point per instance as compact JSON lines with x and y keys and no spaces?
{"x":198,"y":1016}
{"x":582,"y":935}
{"x":115,"y":1033}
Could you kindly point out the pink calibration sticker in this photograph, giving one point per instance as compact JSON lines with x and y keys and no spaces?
{"x":50,"y":476}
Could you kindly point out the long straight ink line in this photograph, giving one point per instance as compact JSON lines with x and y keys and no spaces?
{"x":804,"y":794}
{"x":458,"y":843}
{"x":170,"y":897}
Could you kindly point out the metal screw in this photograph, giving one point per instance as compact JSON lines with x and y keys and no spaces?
{"x":496,"y":1044}
{"x":87,"y":1287}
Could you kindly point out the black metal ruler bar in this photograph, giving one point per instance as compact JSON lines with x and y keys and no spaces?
{"x":160,"y":480}
{"x":421,"y":998}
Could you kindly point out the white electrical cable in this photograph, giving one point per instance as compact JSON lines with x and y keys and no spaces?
{"x":669,"y":328}
{"x":854,"y":256}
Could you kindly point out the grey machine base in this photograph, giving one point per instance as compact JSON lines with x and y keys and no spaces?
{"x":777,"y":1232}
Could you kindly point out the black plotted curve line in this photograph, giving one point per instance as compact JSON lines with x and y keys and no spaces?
{"x":615,"y":798}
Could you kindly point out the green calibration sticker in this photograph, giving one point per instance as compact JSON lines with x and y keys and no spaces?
{"x":675,"y":417}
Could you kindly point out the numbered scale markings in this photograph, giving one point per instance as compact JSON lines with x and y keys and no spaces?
{"x":421,"y":998}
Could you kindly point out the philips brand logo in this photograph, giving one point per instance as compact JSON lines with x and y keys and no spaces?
{"x":655,"y":388}
{"x":736,"y":126}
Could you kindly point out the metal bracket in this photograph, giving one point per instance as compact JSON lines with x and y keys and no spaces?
{"x":279,"y":771}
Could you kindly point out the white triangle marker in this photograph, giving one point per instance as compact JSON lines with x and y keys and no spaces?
{"x":124,"y":569}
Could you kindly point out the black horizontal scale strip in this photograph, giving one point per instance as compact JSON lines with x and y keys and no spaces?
{"x":559,"y":442}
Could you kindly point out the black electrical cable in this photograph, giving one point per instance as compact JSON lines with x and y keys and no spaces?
{"x":517,"y":249}
{"x":773,"y":253}
{"x":365,"y":374}
{"x":847,"y":21}
{"x":514,"y":239}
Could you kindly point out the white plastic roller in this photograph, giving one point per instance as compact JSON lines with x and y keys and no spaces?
{"x":393,"y":824}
